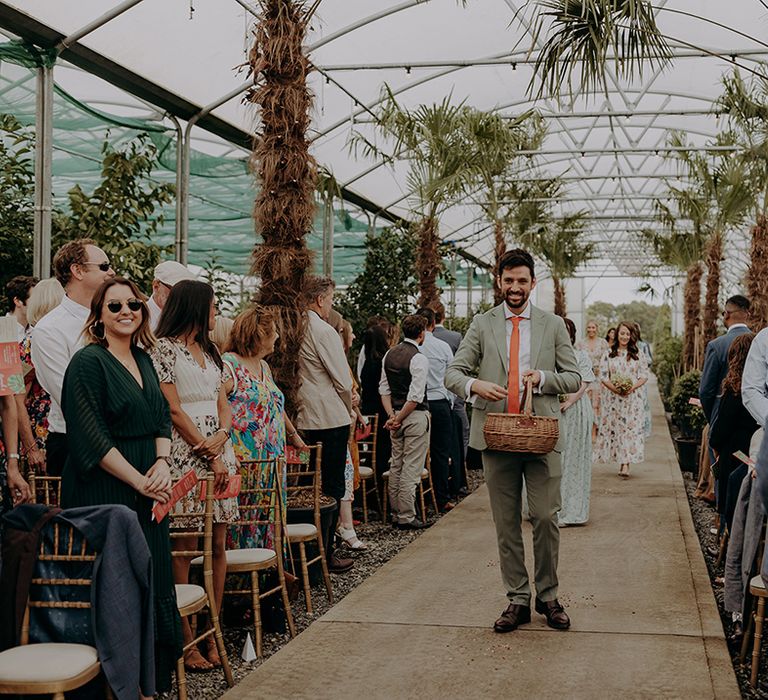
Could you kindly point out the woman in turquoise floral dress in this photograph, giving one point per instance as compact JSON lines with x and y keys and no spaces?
{"x":259,"y":423}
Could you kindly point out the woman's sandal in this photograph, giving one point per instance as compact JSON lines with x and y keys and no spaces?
{"x":195,"y":662}
{"x":351,"y":540}
{"x":212,"y":653}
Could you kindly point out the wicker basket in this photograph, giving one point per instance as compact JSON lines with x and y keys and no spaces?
{"x":515,"y":432}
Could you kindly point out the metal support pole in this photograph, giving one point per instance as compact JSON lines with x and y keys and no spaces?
{"x":328,"y":236}
{"x":453,"y":286}
{"x":179,"y":182}
{"x":182,"y":248}
{"x":470,"y":280}
{"x":41,"y":264}
{"x":116,"y":11}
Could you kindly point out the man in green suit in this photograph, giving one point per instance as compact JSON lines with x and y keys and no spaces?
{"x":504,"y":347}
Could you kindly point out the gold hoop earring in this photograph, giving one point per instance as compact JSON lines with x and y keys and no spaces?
{"x":94,"y":327}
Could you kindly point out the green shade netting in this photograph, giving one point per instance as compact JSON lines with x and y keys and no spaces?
{"x":221,"y":189}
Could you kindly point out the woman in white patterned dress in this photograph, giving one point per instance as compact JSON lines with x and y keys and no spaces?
{"x":595,"y":347}
{"x":191,"y":378}
{"x":621,"y":430}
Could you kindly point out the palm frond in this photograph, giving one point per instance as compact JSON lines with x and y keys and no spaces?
{"x":589,"y":36}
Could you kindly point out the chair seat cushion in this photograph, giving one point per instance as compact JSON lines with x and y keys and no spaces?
{"x":188,"y":594}
{"x":46,"y":663}
{"x":757,"y":582}
{"x":366,"y":472}
{"x":240,"y":557}
{"x":301,"y":530}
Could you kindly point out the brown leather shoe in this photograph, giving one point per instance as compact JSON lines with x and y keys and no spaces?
{"x":555,"y":614}
{"x":512,"y":618}
{"x":337,"y":565}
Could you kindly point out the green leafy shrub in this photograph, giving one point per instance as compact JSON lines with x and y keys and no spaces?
{"x":668,"y":365}
{"x":689,"y":418}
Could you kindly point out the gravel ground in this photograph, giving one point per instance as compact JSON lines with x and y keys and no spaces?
{"x":383,"y":543}
{"x":703,"y":519}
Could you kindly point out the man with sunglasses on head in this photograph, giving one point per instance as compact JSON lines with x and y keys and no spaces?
{"x":81,"y":267}
{"x":167,"y":274}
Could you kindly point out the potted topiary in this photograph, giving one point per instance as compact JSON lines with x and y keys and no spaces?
{"x":688,"y":417}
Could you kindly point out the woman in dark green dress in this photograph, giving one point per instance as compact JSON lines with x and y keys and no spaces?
{"x":118,"y":430}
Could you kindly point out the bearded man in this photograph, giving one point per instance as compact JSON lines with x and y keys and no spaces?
{"x":514,"y":343}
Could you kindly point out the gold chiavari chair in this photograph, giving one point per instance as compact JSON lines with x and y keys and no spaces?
{"x":192,"y":599}
{"x":54,"y":668}
{"x":260,"y":505}
{"x":369,"y":481}
{"x":45,"y":489}
{"x":304,"y":484}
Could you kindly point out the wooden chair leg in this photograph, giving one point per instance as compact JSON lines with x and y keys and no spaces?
{"x":749,"y":624}
{"x":385,"y":503}
{"x":108,"y":691}
{"x":377,"y":495}
{"x":324,"y":567}
{"x":181,"y":679}
{"x":286,"y":600}
{"x":421,"y":502}
{"x":432,"y":490}
{"x":364,"y":492}
{"x":218,"y":638}
{"x":723,"y":548}
{"x":759,"y":619}
{"x":256,"y":601}
{"x":58,"y":696}
{"x":305,"y":577}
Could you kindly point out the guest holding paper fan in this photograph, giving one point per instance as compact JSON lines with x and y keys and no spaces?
{"x":119,"y":429}
{"x":191,"y":377}
{"x":621,"y":432}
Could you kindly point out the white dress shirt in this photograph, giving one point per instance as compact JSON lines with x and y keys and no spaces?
{"x":524,"y":351}
{"x":419,"y":367}
{"x":754,"y":379}
{"x":439,"y":354}
{"x":55,"y":338}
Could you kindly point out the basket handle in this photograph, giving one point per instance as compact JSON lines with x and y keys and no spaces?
{"x":528,"y":398}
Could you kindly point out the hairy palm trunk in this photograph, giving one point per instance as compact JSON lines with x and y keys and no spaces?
{"x":287,"y":175}
{"x":500,"y":247}
{"x":757,"y":274}
{"x":560,"y":307}
{"x":691,"y":314}
{"x":711,"y":297}
{"x":428,"y":262}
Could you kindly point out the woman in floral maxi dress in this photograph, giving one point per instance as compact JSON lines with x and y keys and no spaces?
{"x":621,"y":431}
{"x":259,"y":423}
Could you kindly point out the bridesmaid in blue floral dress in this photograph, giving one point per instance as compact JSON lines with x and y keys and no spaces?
{"x":576,"y":424}
{"x":259,"y":423}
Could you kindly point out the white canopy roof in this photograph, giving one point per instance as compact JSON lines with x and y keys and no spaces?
{"x":610,"y":149}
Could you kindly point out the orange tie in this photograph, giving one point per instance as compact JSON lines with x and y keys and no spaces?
{"x":513,"y":388}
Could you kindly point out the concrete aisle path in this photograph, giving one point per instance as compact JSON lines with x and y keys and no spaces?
{"x":645,"y":623}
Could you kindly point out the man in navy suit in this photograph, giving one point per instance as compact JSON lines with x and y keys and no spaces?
{"x":735,"y":317}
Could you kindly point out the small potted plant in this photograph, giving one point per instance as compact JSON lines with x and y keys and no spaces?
{"x":688,"y":417}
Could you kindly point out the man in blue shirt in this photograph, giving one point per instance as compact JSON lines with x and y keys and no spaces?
{"x":443,"y":435}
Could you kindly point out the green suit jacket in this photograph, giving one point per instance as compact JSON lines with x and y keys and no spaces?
{"x":484,"y":350}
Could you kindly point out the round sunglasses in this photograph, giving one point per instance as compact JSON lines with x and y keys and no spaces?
{"x":117,"y":306}
{"x":104,"y":267}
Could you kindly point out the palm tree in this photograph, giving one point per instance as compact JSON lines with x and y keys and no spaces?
{"x":684,"y":251}
{"x":432,"y":138}
{"x":593,"y":35}
{"x":494,"y":144}
{"x":746,"y":107}
{"x":718,"y":199}
{"x":286,"y":173}
{"x":564,"y":247}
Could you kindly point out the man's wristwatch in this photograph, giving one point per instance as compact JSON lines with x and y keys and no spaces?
{"x":14,"y":455}
{"x":224,"y":430}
